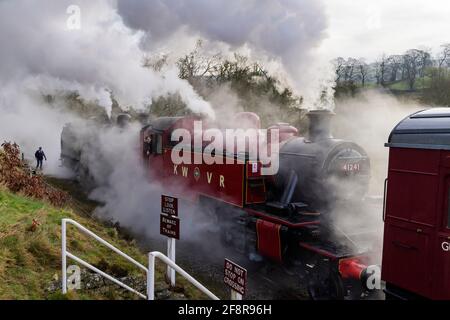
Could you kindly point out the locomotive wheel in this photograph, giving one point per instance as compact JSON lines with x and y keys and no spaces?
{"x":326,"y":287}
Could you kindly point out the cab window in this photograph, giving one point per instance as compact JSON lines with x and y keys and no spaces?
{"x":148,"y":145}
{"x":157,"y":143}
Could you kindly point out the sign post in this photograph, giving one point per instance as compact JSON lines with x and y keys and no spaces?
{"x":171,"y":254}
{"x":236,"y":278}
{"x":170,"y":227}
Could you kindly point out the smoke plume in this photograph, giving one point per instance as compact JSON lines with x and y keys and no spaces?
{"x":283,"y":32}
{"x":368,"y":119}
{"x":103,"y":59}
{"x":41,"y":56}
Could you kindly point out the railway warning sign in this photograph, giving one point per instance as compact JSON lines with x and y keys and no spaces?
{"x":170,"y":226}
{"x":169,"y":205}
{"x":235,"y":277}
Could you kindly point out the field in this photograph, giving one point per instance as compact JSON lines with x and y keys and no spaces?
{"x":419,"y":84}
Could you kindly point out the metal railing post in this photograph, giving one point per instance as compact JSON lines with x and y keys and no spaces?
{"x":169,"y":253}
{"x":151,"y":277}
{"x":184,"y":274}
{"x":66,"y":254}
{"x":63,"y":256}
{"x":168,"y":260}
{"x":172,"y":274}
{"x":235,"y":295}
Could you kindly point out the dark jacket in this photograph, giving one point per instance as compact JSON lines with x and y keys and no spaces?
{"x":40,"y":155}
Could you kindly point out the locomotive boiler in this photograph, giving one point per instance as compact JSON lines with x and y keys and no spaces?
{"x":327,"y":169}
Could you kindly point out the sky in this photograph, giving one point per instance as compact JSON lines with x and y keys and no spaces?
{"x":368,"y":28}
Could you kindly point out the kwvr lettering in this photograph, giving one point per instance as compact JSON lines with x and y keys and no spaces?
{"x":209,"y":176}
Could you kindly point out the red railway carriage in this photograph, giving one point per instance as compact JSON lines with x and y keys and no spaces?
{"x":278,"y":217}
{"x":416,"y":252}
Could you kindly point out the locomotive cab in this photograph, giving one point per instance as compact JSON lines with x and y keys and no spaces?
{"x":416,"y":252}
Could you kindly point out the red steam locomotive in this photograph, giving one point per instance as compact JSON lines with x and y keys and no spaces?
{"x":286,"y":217}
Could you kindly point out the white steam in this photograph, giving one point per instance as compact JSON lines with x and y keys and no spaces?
{"x":287,"y":32}
{"x":368,"y":119}
{"x":41,"y":56}
{"x":28,"y":121}
{"x":124,"y":187}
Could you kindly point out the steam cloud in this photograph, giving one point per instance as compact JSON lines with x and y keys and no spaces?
{"x":284,"y":31}
{"x":124,"y":187}
{"x":368,"y":119}
{"x":41,"y":56}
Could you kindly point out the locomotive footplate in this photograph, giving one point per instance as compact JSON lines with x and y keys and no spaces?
{"x":295,"y":220}
{"x":330,"y":249}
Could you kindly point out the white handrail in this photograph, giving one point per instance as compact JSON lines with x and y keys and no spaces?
{"x":150,"y":270}
{"x":66,"y":254}
{"x":166,"y":260}
{"x":107,"y":276}
{"x":107,"y":244}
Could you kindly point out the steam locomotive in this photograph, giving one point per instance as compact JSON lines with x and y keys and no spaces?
{"x":286,"y":217}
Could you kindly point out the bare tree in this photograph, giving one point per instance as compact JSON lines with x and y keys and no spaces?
{"x":411,"y":63}
{"x":394,"y":64}
{"x":349,"y":69}
{"x":363,"y":70}
{"x":339,"y":64}
{"x":424,"y":60}
{"x":156,"y":62}
{"x":197,"y":65}
{"x":381,"y":69}
{"x":444,"y":57}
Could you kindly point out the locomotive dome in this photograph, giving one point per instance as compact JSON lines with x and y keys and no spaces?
{"x":426,"y":129}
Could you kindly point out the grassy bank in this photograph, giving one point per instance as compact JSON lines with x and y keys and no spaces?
{"x":31,"y":210}
{"x":30,"y":254}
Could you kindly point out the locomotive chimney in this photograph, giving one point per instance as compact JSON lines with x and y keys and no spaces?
{"x":319,"y":125}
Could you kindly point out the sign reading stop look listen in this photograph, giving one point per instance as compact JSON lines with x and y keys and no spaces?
{"x":170,"y":227}
{"x":169,"y":205}
{"x":169,"y":223}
